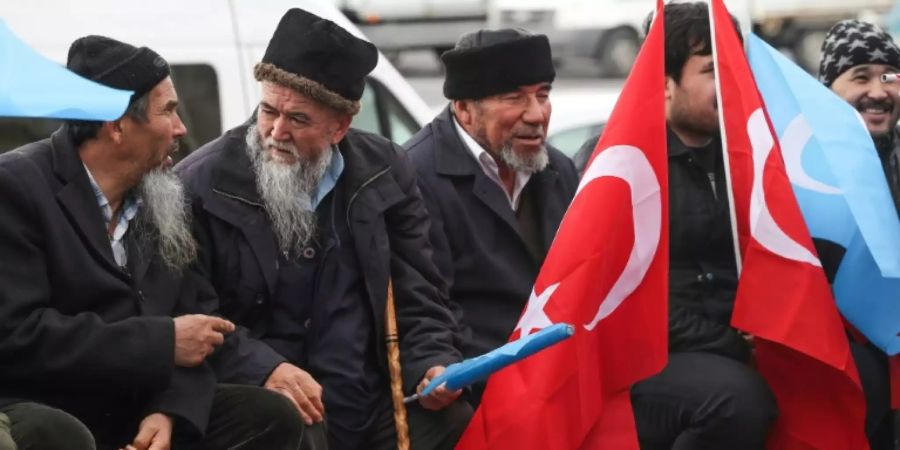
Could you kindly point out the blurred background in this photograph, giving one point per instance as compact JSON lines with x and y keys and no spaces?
{"x":213,"y":44}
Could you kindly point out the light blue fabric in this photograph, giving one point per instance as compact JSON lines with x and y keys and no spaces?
{"x":841,"y":188}
{"x":34,"y":86}
{"x":330,"y":179}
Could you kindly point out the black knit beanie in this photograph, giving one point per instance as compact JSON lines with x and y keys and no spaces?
{"x":117,"y":64}
{"x":851,"y":43}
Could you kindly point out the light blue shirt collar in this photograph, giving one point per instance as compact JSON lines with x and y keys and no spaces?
{"x":330,"y":179}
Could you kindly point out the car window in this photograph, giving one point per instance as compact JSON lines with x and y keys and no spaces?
{"x":199,"y":108}
{"x":198,"y":105}
{"x":381,"y":113}
{"x":570,"y":140}
{"x":367,"y":117}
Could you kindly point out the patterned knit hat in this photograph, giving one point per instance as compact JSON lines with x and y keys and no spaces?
{"x":850,"y":43}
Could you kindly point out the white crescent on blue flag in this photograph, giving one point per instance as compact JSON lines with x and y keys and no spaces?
{"x":841,"y":188}
{"x":33,"y":86}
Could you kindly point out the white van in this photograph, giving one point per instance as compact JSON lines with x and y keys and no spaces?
{"x":212,"y":46}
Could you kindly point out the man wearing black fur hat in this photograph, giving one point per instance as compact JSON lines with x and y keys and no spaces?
{"x":98,"y":254}
{"x":309,"y":221}
{"x":855,"y":55}
{"x":495,"y":191}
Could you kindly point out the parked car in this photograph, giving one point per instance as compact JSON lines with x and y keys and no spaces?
{"x":578,"y":115}
{"x":212,"y":46}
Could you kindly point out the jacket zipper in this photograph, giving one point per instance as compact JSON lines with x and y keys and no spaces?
{"x":363,"y":186}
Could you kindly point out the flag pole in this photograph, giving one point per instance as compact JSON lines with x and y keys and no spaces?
{"x":392,"y":341}
{"x":724,"y":140}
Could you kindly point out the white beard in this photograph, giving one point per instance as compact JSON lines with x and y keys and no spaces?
{"x":287,"y":189}
{"x":164,"y":212}
{"x":531,"y":163}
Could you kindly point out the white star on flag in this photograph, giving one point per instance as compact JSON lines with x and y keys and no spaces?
{"x":534,"y":317}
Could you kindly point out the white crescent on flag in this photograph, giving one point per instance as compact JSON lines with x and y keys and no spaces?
{"x":794,"y":139}
{"x":762,"y":225}
{"x":631,"y":165}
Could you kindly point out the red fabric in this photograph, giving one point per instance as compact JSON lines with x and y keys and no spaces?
{"x":576,"y":394}
{"x":783,"y":298}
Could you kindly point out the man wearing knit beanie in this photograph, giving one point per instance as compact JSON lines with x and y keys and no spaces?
{"x":855,"y":56}
{"x":495,"y":191}
{"x":104,"y":325}
{"x":310,"y":222}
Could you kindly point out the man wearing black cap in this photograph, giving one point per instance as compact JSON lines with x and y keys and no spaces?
{"x":98,"y":253}
{"x":495,"y":192}
{"x":855,"y":55}
{"x":308,"y":222}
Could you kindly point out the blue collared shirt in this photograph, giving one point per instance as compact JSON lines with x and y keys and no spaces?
{"x":130,"y":206}
{"x":329,"y":180}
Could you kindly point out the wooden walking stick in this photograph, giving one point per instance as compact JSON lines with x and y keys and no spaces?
{"x":393,"y":354}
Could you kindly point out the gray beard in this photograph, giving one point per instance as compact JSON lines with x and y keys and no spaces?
{"x":287,"y":190}
{"x":531,"y":163}
{"x":164,"y":213}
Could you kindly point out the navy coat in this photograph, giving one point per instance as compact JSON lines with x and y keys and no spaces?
{"x":376,"y":197}
{"x":478,"y":246}
{"x":76,"y":331}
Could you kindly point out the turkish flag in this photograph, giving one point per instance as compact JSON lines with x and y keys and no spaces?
{"x":607,"y":274}
{"x":783,"y":298}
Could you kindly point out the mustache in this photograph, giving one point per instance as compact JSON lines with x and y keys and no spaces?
{"x":282,"y":145}
{"x":867,"y":103}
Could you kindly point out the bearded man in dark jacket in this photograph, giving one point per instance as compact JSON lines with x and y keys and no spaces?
{"x":495,"y":191}
{"x":98,"y":258}
{"x":309,"y":221}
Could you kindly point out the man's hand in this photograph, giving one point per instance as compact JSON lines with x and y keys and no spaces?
{"x":155,"y":433}
{"x":438,"y":398}
{"x":196,"y":336}
{"x":300,"y":387}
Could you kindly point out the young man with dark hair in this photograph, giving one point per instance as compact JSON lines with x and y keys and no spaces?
{"x":708,"y":396}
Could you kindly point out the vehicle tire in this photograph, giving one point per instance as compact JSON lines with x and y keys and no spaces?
{"x":617,"y":51}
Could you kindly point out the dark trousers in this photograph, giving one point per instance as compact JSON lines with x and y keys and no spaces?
{"x":872,"y":365}
{"x":703,"y":401}
{"x":428,"y":430}
{"x":242,"y":418}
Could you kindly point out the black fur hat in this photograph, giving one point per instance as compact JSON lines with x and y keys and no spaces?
{"x":319,"y":59}
{"x":490,"y":62}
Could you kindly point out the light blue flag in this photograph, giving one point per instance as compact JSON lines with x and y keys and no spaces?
{"x":464,"y":373}
{"x":34,"y":86}
{"x":841,"y":188}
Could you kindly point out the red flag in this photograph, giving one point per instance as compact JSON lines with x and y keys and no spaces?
{"x":783,"y":297}
{"x":606,"y":273}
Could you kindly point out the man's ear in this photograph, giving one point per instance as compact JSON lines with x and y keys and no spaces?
{"x":463,"y":110}
{"x":113,"y":130}
{"x":670,"y":87}
{"x":343,"y":126}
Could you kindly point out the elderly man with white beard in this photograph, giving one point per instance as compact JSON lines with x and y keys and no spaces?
{"x":104,"y":323}
{"x":308,"y":220}
{"x":494,"y":190}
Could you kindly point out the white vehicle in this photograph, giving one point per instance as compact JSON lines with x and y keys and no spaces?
{"x":605,"y":31}
{"x":212,"y":46}
{"x":395,"y":25}
{"x":578,"y":115}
